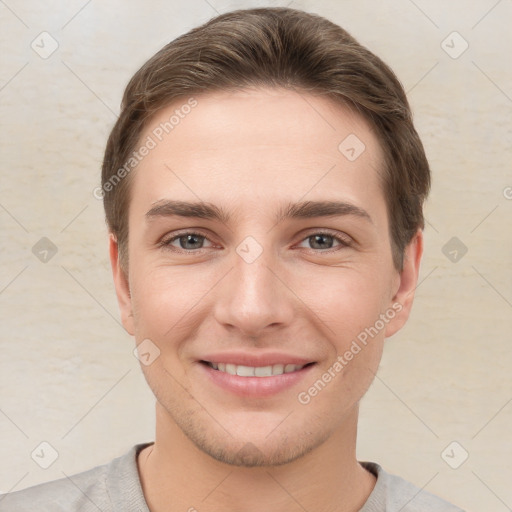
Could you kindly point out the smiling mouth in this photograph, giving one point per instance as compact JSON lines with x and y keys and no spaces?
{"x":255,"y":371}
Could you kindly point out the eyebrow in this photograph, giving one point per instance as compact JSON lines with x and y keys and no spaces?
{"x":301,"y":210}
{"x":310,"y":209}
{"x":200,"y":210}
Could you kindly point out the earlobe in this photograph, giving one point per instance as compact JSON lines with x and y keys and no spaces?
{"x":408,"y":280}
{"x":121,"y":285}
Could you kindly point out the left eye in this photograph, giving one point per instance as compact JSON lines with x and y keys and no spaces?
{"x":188,"y":241}
{"x":322,"y":241}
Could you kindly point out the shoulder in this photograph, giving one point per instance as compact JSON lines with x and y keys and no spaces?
{"x":83,"y":491}
{"x":91,"y":490}
{"x":392,"y":494}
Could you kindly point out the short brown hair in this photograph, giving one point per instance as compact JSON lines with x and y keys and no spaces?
{"x":278,"y":47}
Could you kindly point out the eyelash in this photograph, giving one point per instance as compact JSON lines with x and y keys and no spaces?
{"x":343,"y":241}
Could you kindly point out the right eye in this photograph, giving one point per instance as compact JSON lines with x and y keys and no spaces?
{"x":188,"y":241}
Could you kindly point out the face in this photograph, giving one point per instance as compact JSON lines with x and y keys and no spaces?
{"x":260,"y":271}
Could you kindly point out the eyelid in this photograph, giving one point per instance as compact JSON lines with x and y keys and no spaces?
{"x":342,"y":238}
{"x":166,"y":240}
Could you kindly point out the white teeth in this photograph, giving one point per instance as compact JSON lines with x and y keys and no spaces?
{"x":263,"y":371}
{"x":278,"y":369}
{"x":231,"y":368}
{"x":255,"y":371}
{"x":245,"y":371}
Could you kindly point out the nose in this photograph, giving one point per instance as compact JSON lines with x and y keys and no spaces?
{"x":253,"y":299}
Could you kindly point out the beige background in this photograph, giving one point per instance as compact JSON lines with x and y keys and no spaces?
{"x":67,"y":373}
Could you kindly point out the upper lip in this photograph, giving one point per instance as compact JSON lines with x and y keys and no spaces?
{"x":255,"y":360}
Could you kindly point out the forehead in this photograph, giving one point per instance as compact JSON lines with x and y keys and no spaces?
{"x":254,"y":145}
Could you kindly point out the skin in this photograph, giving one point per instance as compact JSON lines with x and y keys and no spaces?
{"x":250,"y":153}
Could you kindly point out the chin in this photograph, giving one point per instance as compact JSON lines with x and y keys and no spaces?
{"x":253,"y":449}
{"x":250,"y":456}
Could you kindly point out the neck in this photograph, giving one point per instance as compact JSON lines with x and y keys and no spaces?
{"x":329,"y":478}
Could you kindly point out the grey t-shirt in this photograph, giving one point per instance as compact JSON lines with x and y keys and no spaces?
{"x":116,"y":487}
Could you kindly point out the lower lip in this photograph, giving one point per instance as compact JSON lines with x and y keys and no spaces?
{"x":258,"y":387}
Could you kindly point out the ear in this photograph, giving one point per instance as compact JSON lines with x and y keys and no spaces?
{"x":407,"y":282}
{"x":122,"y":286}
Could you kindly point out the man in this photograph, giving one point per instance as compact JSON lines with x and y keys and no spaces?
{"x":263,"y":187}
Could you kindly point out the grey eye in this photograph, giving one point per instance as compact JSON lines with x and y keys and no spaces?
{"x":320,"y":241}
{"x":189,"y":241}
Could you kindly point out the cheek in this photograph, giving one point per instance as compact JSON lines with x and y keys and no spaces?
{"x":348,"y":300}
{"x":351,"y":307}
{"x":163,"y":309}
{"x":164,"y":298}
{"x":158,"y":302}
